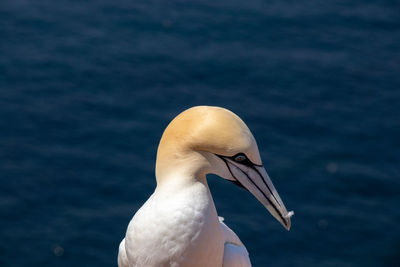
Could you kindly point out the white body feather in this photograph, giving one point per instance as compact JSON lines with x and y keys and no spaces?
{"x":178,"y":227}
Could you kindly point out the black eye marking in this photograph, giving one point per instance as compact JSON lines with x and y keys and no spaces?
{"x":240,"y":158}
{"x":243,"y":159}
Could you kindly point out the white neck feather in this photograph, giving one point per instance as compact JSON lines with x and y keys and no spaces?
{"x":180,"y":222}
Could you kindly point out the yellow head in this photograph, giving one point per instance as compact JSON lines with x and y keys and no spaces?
{"x":206,"y":139}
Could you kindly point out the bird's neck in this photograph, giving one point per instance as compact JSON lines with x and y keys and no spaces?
{"x":185,"y":215}
{"x":183,"y":195}
{"x":174,"y":162}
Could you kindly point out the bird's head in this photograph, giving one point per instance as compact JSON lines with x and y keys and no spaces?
{"x":206,"y":139}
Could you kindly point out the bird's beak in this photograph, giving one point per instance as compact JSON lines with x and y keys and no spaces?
{"x":256,"y":180}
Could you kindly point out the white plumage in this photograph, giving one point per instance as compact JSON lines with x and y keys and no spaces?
{"x":178,"y":225}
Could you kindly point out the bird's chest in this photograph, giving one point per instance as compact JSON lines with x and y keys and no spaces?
{"x":176,"y":230}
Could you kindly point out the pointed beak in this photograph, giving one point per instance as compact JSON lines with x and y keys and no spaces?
{"x":256,"y":180}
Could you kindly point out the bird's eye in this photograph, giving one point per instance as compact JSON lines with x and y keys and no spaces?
{"x":240,"y":158}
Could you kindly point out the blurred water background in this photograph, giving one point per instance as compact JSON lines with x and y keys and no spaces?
{"x":87,"y":88}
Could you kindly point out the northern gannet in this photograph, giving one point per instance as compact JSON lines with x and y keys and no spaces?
{"x":178,"y":225}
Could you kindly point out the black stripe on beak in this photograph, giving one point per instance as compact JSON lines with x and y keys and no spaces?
{"x":237,"y":182}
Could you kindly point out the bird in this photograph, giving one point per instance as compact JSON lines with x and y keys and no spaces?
{"x":178,"y":225}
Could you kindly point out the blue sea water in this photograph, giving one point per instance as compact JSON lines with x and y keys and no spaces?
{"x":87,"y":88}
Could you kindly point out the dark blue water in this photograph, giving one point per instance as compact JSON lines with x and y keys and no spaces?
{"x":87,"y":88}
